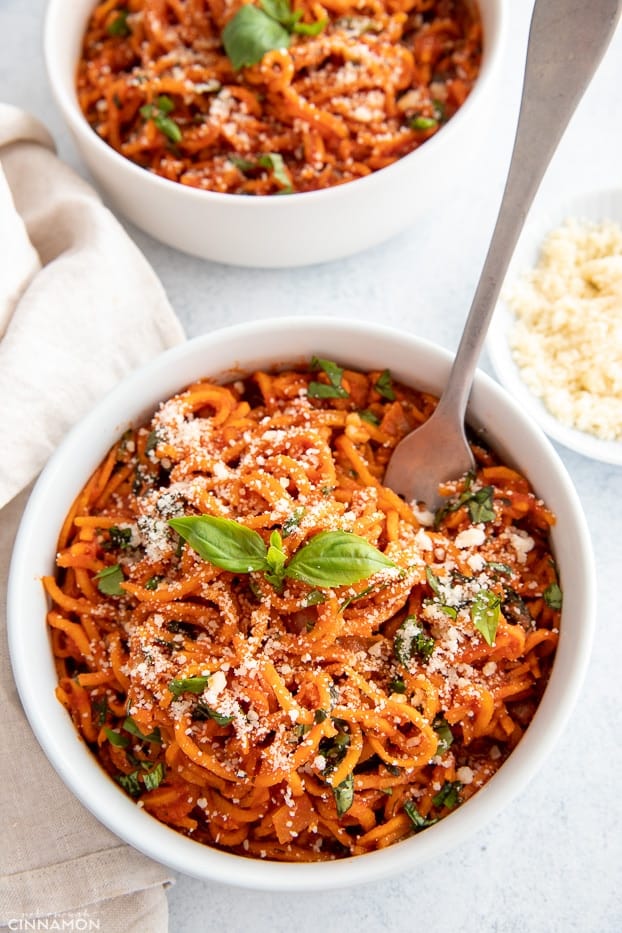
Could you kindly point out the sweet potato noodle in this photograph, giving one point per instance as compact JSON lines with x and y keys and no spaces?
{"x":284,"y":719}
{"x":376,"y":80}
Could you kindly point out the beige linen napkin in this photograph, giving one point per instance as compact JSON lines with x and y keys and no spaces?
{"x":79,"y":308}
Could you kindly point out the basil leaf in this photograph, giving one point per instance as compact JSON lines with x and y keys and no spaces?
{"x":221,"y":541}
{"x":419,"y":822}
{"x":109,"y":580}
{"x":444,"y":733}
{"x":480,"y":505}
{"x":274,"y":162}
{"x":100,"y":707}
{"x":449,"y":795}
{"x":164,"y":104}
{"x":314,"y":598}
{"x":410,"y":639}
{"x":129,"y":783}
{"x":250,"y":34}
{"x":119,"y":26}
{"x":334,"y":372}
{"x":188,"y":685}
{"x":344,"y":795}
{"x":384,"y":385}
{"x":433,"y":581}
{"x":281,"y":11}
{"x":120,"y":537}
{"x":154,"y":582}
{"x":310,"y":29}
{"x":336,"y":558}
{"x":369,"y":416}
{"x":154,"y":778}
{"x":130,"y":726}
{"x":553,"y":596}
{"x":292,"y":521}
{"x":202,"y":712}
{"x":168,"y":127}
{"x":398,"y":685}
{"x":485,"y":611}
{"x":422,"y":123}
{"x":116,"y":739}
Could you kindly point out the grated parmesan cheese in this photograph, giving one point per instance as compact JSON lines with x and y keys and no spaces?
{"x":567,"y":336}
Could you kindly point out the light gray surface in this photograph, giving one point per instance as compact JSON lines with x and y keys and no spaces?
{"x":552,"y":861}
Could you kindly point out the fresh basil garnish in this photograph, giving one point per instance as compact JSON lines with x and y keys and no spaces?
{"x":188,"y":685}
{"x":420,"y":122}
{"x":120,"y":537}
{"x":449,"y":795}
{"x":480,"y":505}
{"x":485,"y":611}
{"x":222,"y":541}
{"x":336,"y":558}
{"x":202,"y":712}
{"x":410,"y":639}
{"x":109,"y":581}
{"x":419,"y":822}
{"x":130,"y":726}
{"x":159,"y":112}
{"x":292,"y":521}
{"x":553,"y":596}
{"x":155,"y":777}
{"x":250,"y":34}
{"x":119,"y":26}
{"x":116,"y":739}
{"x":369,"y":416}
{"x":154,"y":582}
{"x":384,"y":385}
{"x":330,"y":558}
{"x":273,"y":161}
{"x":129,"y":783}
{"x":444,"y":733}
{"x":344,"y":795}
{"x":334,"y":389}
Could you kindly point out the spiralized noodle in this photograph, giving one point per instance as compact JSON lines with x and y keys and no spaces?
{"x":299,"y":722}
{"x":379,"y":79}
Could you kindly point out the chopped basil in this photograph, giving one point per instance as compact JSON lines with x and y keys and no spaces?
{"x":129,"y":783}
{"x":274,"y":162}
{"x":100,"y":708}
{"x":344,"y":795}
{"x":188,"y":685}
{"x":433,"y":581}
{"x":154,"y":778}
{"x":120,"y":537}
{"x":423,"y":123}
{"x":369,"y":416}
{"x":499,"y":567}
{"x":480,"y":505}
{"x":159,"y":113}
{"x":154,"y":582}
{"x":485,"y":611}
{"x":384,"y":385}
{"x":334,"y":389}
{"x":292,"y":521}
{"x":315,"y":598}
{"x":410,"y":640}
{"x":310,"y":29}
{"x":398,"y":685}
{"x":119,"y":26}
{"x":116,"y":739}
{"x":130,"y":726}
{"x":444,"y":733}
{"x":202,"y":712}
{"x":553,"y":596}
{"x":449,"y":795}
{"x":319,"y":716}
{"x":419,"y":822}
{"x":334,"y":749}
{"x":152,"y":438}
{"x":109,"y":581}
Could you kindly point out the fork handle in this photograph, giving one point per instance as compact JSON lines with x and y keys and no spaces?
{"x":567,"y":40}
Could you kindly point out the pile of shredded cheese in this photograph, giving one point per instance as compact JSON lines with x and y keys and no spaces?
{"x":567,"y":337}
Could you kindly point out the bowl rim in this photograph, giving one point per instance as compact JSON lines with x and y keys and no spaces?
{"x":67,"y":102}
{"x":70,"y":756}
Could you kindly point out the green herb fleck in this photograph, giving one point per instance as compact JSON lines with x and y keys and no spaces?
{"x":154,"y":582}
{"x":155,"y":777}
{"x":384,"y":385}
{"x":116,"y":739}
{"x":292,"y":521}
{"x":129,"y":783}
{"x":553,"y":596}
{"x":188,"y":685}
{"x":485,"y":611}
{"x":449,"y":795}
{"x":344,"y":795}
{"x":334,"y":389}
{"x":119,"y":26}
{"x":419,"y":822}
{"x":109,"y":581}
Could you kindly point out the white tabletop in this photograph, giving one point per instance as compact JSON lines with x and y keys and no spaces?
{"x":552,"y":860}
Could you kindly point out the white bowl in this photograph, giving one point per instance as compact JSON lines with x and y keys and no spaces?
{"x":594,"y":207}
{"x":299,"y":229}
{"x":224,"y":354}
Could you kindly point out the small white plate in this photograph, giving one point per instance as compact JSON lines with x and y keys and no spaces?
{"x":593,"y":206}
